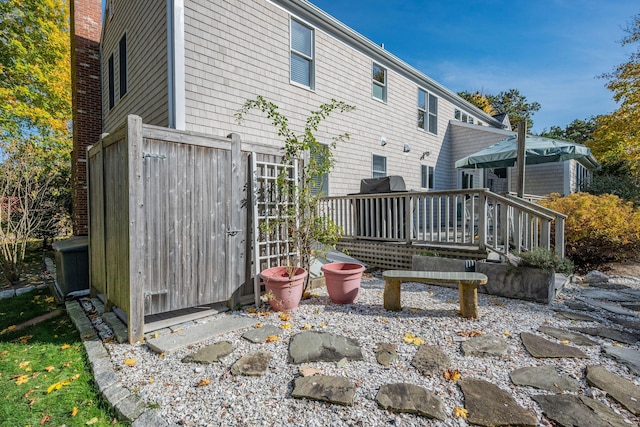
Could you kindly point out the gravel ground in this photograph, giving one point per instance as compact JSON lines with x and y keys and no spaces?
{"x":429,"y":312}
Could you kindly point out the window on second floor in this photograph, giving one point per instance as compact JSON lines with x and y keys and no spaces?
{"x":111,"y":83}
{"x":302,"y":64}
{"x":427,"y":111}
{"x":426,"y":177}
{"x":379,"y":82}
{"x":379,"y":166}
{"x":123,"y":65}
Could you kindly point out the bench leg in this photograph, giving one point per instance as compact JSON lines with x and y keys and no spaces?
{"x":468,"y":301}
{"x":392,"y":295}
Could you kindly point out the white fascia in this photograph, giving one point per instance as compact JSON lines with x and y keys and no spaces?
{"x":176,"y":73}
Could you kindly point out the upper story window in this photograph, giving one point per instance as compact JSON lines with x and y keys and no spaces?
{"x":426,"y":177}
{"x":302,"y":66}
{"x":427,"y":111}
{"x":379,"y":168}
{"x":379,"y":82}
{"x":111,"y":83}
{"x":464,"y":117}
{"x":123,"y":66}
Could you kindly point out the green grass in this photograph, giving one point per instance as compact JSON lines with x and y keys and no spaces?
{"x":38,"y":357}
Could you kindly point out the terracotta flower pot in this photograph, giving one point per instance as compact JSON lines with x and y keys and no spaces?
{"x":284,"y":292}
{"x":343,"y":281}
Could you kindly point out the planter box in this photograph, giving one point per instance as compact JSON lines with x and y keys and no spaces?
{"x":531,"y":284}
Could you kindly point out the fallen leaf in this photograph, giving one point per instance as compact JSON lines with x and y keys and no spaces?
{"x":24,"y":339}
{"x":384,"y":320}
{"x":273,"y":338}
{"x":45,"y":420}
{"x":284,"y":317}
{"x":450,"y":375}
{"x":49,"y":299}
{"x":74,"y":411}
{"x":4,"y":353}
{"x":258,"y":325}
{"x":306,"y":327}
{"x":49,"y":368}
{"x":565,"y":341}
{"x":414,"y":310}
{"x":67,"y":364}
{"x":151,"y":380}
{"x":161,"y":355}
{"x":92,"y":421}
{"x":58,"y":385}
{"x":65,"y":347}
{"x":8,"y":329}
{"x":23,"y":365}
{"x":204,"y":382}
{"x":322,"y":325}
{"x":130,"y":362}
{"x":251,"y":310}
{"x":409,"y":338}
{"x":506,"y":333}
{"x":22,"y":379}
{"x":286,"y":326}
{"x":27,"y":394}
{"x":89,"y":336}
{"x":31,"y":401}
{"x":460,"y":412}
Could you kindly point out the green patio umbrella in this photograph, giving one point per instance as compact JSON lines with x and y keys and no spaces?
{"x":538,"y":150}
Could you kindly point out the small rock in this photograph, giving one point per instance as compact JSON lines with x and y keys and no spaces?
{"x":22,"y":291}
{"x":198,"y":370}
{"x":342,"y":363}
{"x":595,"y":276}
{"x":253,"y":364}
{"x":7,"y":293}
{"x":386,"y":353}
{"x":430,"y":360}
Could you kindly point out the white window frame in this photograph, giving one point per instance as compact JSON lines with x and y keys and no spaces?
{"x":375,"y":83}
{"x":378,"y":173}
{"x":463,"y":116}
{"x":310,"y":59}
{"x":426,"y":112}
{"x":427,"y":175}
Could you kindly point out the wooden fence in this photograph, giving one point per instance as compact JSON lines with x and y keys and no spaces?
{"x":168,"y":220}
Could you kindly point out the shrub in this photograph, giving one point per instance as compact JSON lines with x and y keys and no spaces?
{"x":546,"y":259}
{"x":598,"y":229}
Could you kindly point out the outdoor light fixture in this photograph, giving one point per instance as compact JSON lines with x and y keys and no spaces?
{"x":383,"y":141}
{"x":407,"y":148}
{"x":425,"y":154}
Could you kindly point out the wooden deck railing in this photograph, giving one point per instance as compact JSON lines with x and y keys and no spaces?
{"x":472,"y":217}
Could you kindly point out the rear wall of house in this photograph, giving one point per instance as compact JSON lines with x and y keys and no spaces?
{"x":145,"y":26}
{"x":237,"y":50}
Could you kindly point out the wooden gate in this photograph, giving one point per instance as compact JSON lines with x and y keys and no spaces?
{"x":168,"y":220}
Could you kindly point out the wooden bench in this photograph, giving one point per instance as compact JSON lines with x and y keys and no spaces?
{"x":467,"y":287}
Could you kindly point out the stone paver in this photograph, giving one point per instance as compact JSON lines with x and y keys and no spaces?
{"x":489,"y":405}
{"x":608,"y":295}
{"x":570,"y":315}
{"x":325,"y":388}
{"x":430,"y":360}
{"x":564,"y":335}
{"x":410,"y":398}
{"x":259,"y":335}
{"x":621,"y":389}
{"x":485,"y":346}
{"x":612,"y":308}
{"x":612,"y":334}
{"x":252,"y":364}
{"x":578,"y":411}
{"x":541,"y":348}
{"x":544,"y":378}
{"x":311,"y":346}
{"x":171,"y":343}
{"x":626,"y":356}
{"x":386,"y":353}
{"x":210,"y":354}
{"x":635,"y":306}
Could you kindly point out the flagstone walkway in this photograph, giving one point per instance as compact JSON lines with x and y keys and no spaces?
{"x":597,"y":396}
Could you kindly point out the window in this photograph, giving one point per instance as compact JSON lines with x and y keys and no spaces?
{"x":379,"y":82}
{"x":427,"y":112}
{"x":112,"y":94}
{"x":301,"y":54}
{"x":426,"y":176}
{"x":320,"y":182}
{"x":467,"y":180}
{"x":464,"y":117}
{"x":123,"y":66}
{"x":379,"y":166}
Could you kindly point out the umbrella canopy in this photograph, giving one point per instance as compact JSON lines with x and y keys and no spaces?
{"x":538,"y":150}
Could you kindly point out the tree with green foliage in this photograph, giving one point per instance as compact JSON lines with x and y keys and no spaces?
{"x":511,"y":102}
{"x":35,"y":118}
{"x":578,"y":131}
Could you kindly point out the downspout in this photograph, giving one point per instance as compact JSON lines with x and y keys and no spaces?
{"x":175,"y":61}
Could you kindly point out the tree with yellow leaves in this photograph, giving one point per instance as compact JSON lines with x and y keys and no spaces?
{"x":617,"y":135}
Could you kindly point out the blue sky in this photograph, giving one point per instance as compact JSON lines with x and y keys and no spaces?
{"x":551,"y":50}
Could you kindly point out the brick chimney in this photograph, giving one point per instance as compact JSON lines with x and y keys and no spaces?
{"x":86,"y":27}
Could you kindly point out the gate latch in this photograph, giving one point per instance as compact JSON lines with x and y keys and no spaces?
{"x":233,"y":232}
